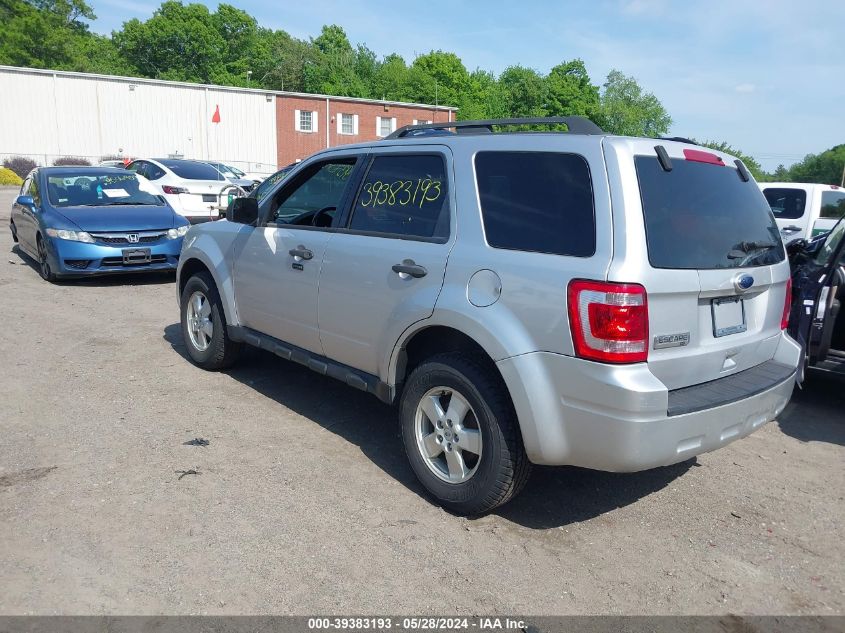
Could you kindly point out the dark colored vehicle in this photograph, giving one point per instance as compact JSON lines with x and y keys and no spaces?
{"x":83,"y":221}
{"x":816,"y":318}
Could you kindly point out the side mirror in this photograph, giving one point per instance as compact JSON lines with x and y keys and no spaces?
{"x":25,"y":201}
{"x":243,"y":211}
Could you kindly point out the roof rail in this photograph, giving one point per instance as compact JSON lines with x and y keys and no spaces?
{"x":576,"y":125}
{"x":679,"y":139}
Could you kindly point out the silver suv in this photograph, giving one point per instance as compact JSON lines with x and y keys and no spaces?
{"x":550,"y":298}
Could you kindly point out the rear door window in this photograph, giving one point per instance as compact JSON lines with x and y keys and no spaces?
{"x":833,"y":204}
{"x":404,"y":195}
{"x":537,"y":201}
{"x":703,"y":216}
{"x":786,"y":204}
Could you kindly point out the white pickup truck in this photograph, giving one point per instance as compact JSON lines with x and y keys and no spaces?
{"x":804,"y":210}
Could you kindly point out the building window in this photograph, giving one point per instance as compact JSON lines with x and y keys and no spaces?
{"x":347,"y":124}
{"x":385,"y":125}
{"x":305,"y":120}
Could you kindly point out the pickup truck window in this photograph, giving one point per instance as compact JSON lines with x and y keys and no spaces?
{"x":318,"y":189}
{"x":404,"y":195}
{"x":833,"y":204}
{"x":786,"y":204}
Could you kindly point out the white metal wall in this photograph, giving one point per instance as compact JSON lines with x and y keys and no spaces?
{"x":47,"y":114}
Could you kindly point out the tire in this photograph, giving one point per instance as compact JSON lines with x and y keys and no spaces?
{"x":481,"y":481}
{"x":14,"y":231}
{"x":206,"y":339}
{"x":44,"y":268}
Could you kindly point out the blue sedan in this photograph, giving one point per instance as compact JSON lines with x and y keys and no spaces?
{"x":81,"y":221}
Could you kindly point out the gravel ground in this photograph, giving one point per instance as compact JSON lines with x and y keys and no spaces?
{"x":303,"y":502}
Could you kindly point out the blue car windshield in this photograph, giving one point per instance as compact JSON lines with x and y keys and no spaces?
{"x":92,"y":189}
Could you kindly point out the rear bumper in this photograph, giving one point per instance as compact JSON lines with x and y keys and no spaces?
{"x":193,"y":208}
{"x":623,"y":419}
{"x":78,"y":259}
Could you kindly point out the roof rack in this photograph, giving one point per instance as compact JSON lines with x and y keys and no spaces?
{"x":679,"y":139}
{"x":576,"y":125}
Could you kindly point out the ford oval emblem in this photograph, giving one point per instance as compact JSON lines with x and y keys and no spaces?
{"x":743,"y":282}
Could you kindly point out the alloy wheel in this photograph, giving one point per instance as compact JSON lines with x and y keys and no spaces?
{"x":198,"y":318}
{"x":447,"y":434}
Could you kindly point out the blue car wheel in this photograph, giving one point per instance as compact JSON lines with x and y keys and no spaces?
{"x":44,"y":267}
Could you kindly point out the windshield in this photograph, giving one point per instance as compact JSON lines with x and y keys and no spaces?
{"x":93,"y":189}
{"x":831,"y":243}
{"x":192,"y":170}
{"x":703,"y":216}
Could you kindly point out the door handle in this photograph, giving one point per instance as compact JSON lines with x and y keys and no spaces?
{"x":791,"y":228}
{"x":301,"y":252}
{"x":409,"y":268}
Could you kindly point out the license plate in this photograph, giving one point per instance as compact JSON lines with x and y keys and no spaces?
{"x":209,"y":197}
{"x":132,"y":256}
{"x":728,"y":316}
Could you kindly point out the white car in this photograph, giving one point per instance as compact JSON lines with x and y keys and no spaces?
{"x":119,"y":164}
{"x":235,"y":176}
{"x":193,"y":188}
{"x":804,"y":210}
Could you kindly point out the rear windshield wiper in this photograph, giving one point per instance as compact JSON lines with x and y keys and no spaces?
{"x":743,"y":248}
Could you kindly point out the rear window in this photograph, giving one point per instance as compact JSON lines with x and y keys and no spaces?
{"x":191,"y":170}
{"x":833,"y":204}
{"x":537,"y":201}
{"x":786,"y":204}
{"x":702,"y":216}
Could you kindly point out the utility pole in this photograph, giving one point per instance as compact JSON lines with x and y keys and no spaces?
{"x":248,"y":75}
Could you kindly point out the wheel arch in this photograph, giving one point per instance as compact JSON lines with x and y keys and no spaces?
{"x":430,"y":338}
{"x":195,"y":262}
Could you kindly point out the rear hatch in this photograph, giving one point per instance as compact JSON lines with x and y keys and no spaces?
{"x":713,"y":266}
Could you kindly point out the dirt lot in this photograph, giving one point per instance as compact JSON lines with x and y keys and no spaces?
{"x":304,"y":502}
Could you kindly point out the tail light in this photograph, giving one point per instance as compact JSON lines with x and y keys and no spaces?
{"x":609,"y":321}
{"x":171,"y":189}
{"x":787,"y":305}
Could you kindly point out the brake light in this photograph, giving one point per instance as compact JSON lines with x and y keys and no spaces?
{"x":609,"y":321}
{"x":703,"y":157}
{"x":787,"y":305}
{"x":171,"y":189}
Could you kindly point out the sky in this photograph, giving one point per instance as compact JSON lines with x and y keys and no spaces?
{"x":767,"y":77}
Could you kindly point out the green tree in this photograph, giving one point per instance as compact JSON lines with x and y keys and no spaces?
{"x":825,"y":168}
{"x":437,"y":77}
{"x":290,"y":57}
{"x":750,"y":162}
{"x":524,"y":92}
{"x":42,"y":33}
{"x":390,"y":80}
{"x":570,"y":91}
{"x":483,"y":98}
{"x":628,"y":110}
{"x":781,"y":174}
{"x":179,"y":42}
{"x":332,"y":69}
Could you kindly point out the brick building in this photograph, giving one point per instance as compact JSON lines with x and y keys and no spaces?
{"x":307,"y":123}
{"x":50,"y":113}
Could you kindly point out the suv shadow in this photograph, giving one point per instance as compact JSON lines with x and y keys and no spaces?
{"x":816,"y":413}
{"x":552,"y":498}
